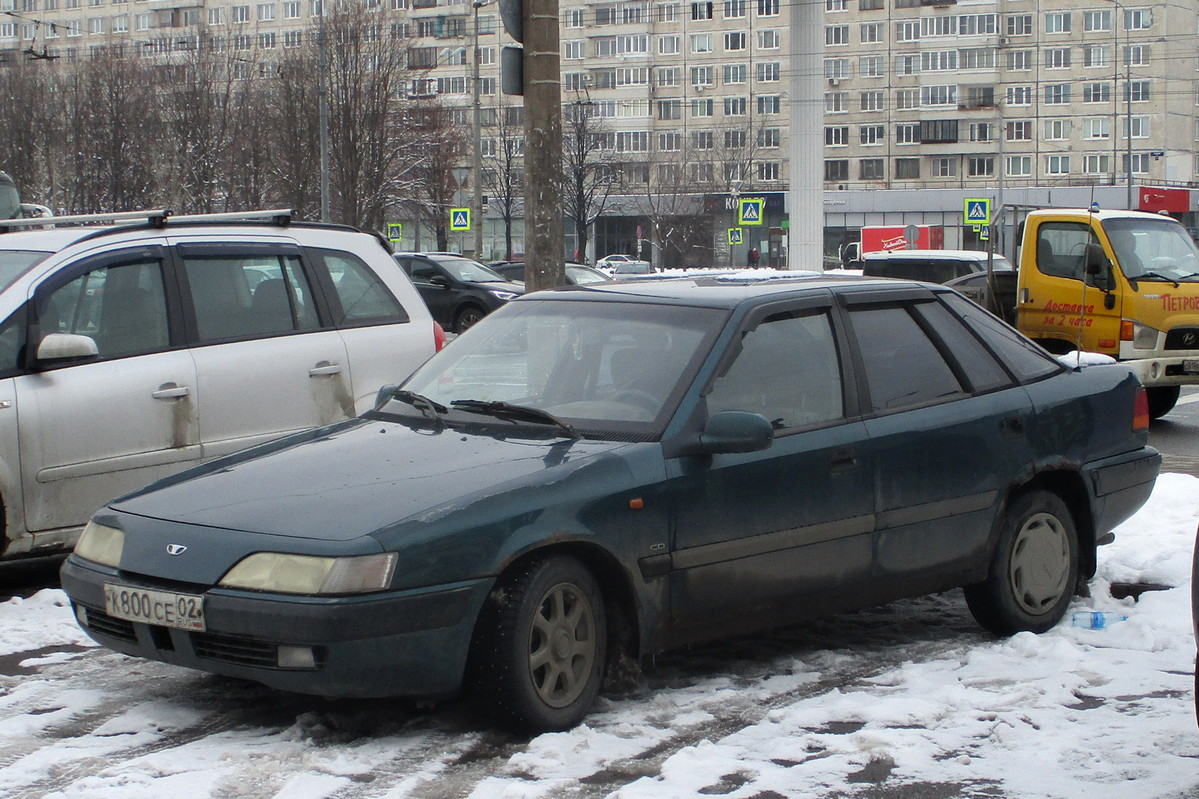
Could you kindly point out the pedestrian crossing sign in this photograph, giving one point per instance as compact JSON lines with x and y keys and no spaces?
{"x":977,"y":212}
{"x":395,"y":231}
{"x":749,"y":211}
{"x":735,"y":235}
{"x":459,"y":219}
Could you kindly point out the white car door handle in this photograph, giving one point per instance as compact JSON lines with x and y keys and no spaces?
{"x":171,"y":391}
{"x":324,"y":369}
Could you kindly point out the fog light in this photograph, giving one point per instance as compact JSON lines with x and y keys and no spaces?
{"x":297,"y":657}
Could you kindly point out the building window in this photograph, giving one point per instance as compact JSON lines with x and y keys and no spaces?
{"x":837,"y":169}
{"x":735,"y":139}
{"x":939,"y":60}
{"x":702,"y":140}
{"x":1137,"y":91}
{"x":668,"y":45}
{"x":977,"y":58}
{"x":871,"y":169}
{"x":907,"y":133}
{"x":870,"y":135}
{"x":938,"y":131}
{"x":907,"y":64}
{"x":1097,"y":21}
{"x":836,"y":68}
{"x":870,"y":32}
{"x":1057,"y":22}
{"x":769,"y":40}
{"x":836,"y":34}
{"x":1057,"y":165}
{"x":978,"y":24}
{"x":871,"y":101}
{"x":1057,"y":129}
{"x":770,"y":104}
{"x":836,"y":102}
{"x":266,"y":12}
{"x":768,"y":8}
{"x":770,"y":137}
{"x":1019,"y":130}
{"x":982,"y":131}
{"x":670,"y":109}
{"x":769,"y":170}
{"x":1096,"y":55}
{"x":836,"y":135}
{"x":701,"y":42}
{"x":907,"y":99}
{"x":1057,"y":58}
{"x":670,"y":142}
{"x":1057,"y":93}
{"x":1019,"y":95}
{"x":1140,"y":163}
{"x":734,"y":40}
{"x":1019,"y":60}
{"x":939,"y":95}
{"x":1096,"y":164}
{"x":1019,"y":166}
{"x":836,"y":5}
{"x":1136,"y":55}
{"x":1139,"y":125}
{"x":1097,"y":93}
{"x":703,"y":76}
{"x":667,"y":12}
{"x":241,"y":14}
{"x":871,"y":66}
{"x":944,"y":167}
{"x":1138,"y":19}
{"x":734,"y":9}
{"x":703,"y":108}
{"x":735,"y":73}
{"x":736,"y":106}
{"x":1018,"y":25}
{"x":769,"y":72}
{"x":701,"y":9}
{"x":907,"y":168}
{"x":979,"y":166}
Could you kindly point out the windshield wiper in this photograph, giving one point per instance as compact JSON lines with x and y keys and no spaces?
{"x":1157,"y":275}
{"x":428,"y":408}
{"x":506,"y":411}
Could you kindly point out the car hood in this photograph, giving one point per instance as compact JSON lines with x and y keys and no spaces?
{"x":360,"y":478}
{"x":501,"y":285}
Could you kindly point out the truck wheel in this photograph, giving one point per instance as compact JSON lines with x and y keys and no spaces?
{"x":541,"y":645}
{"x":1162,"y":400}
{"x":1034,"y":569}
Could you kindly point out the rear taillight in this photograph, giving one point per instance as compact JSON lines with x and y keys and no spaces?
{"x":439,"y":339}
{"x":1140,"y":412}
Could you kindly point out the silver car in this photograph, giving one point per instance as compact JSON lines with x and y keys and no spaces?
{"x":132,"y":350}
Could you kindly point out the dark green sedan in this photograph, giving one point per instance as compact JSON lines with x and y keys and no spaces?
{"x":594,"y":474}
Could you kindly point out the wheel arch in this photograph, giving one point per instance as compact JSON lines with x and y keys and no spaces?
{"x":1070,"y":486}
{"x":616,"y":585}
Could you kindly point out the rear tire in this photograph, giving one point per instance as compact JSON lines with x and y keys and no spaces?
{"x":1162,"y":400}
{"x":1034,"y":569}
{"x":541,"y":645}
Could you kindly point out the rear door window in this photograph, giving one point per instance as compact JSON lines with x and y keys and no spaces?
{"x":1022,"y":357}
{"x":903,"y":366}
{"x":359,"y":296}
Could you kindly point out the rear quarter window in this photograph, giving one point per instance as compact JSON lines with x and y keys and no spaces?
{"x":1022,"y":357}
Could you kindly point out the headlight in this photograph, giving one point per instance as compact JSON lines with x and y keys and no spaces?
{"x":1143,"y":336}
{"x":101,"y":544}
{"x":502,"y":295}
{"x":304,"y":574}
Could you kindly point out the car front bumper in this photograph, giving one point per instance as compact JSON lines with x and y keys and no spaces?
{"x":411,"y":643}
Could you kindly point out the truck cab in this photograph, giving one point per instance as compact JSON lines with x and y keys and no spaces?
{"x":1121,"y":283}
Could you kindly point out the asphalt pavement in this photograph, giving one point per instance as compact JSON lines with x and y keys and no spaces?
{"x":1176,"y":435}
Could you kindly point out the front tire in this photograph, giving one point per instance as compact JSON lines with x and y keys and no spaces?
{"x":541,"y":645}
{"x":1034,"y":569}
{"x":467,"y":318}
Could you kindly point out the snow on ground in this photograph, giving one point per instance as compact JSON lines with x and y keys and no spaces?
{"x":1074,"y":712}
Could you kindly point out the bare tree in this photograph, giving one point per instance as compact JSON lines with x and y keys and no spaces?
{"x":113,"y":137}
{"x":28,"y":135}
{"x":503,"y":166}
{"x":446,"y":148}
{"x":587,"y":168}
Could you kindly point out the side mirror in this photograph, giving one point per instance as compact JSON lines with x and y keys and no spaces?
{"x":736,"y":431}
{"x":440,"y":280}
{"x":57,"y":347}
{"x":1098,"y":268}
{"x":384,"y":394}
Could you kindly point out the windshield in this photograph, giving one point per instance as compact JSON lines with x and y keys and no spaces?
{"x":611,"y":369}
{"x":1147,"y":249}
{"x":582,"y":275}
{"x":14,"y":263}
{"x":470,"y":271}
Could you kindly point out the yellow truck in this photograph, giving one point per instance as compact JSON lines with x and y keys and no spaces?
{"x":1121,"y":283}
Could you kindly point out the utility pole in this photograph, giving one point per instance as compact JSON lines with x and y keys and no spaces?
{"x":544,"y":234}
{"x":476,"y":135}
{"x":322,"y":93}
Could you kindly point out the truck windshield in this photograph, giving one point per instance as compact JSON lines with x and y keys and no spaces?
{"x":1150,"y":250}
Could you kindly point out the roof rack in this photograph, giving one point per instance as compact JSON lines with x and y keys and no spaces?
{"x":155,"y":218}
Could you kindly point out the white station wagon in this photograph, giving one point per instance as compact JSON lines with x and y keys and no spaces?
{"x":131,"y":350}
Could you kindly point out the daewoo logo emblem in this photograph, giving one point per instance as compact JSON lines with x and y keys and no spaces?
{"x":176,"y":549}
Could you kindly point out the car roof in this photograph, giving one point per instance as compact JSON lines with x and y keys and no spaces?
{"x":929,"y":255}
{"x":46,"y":240}
{"x":728,"y":290}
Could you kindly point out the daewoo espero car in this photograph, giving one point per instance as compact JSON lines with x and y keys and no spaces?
{"x":593,"y":474}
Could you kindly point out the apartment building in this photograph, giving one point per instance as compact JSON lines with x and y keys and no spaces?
{"x":956,"y":96}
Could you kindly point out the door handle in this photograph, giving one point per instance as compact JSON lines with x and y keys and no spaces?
{"x":840,"y":460}
{"x":170,"y":391}
{"x":324,"y":369}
